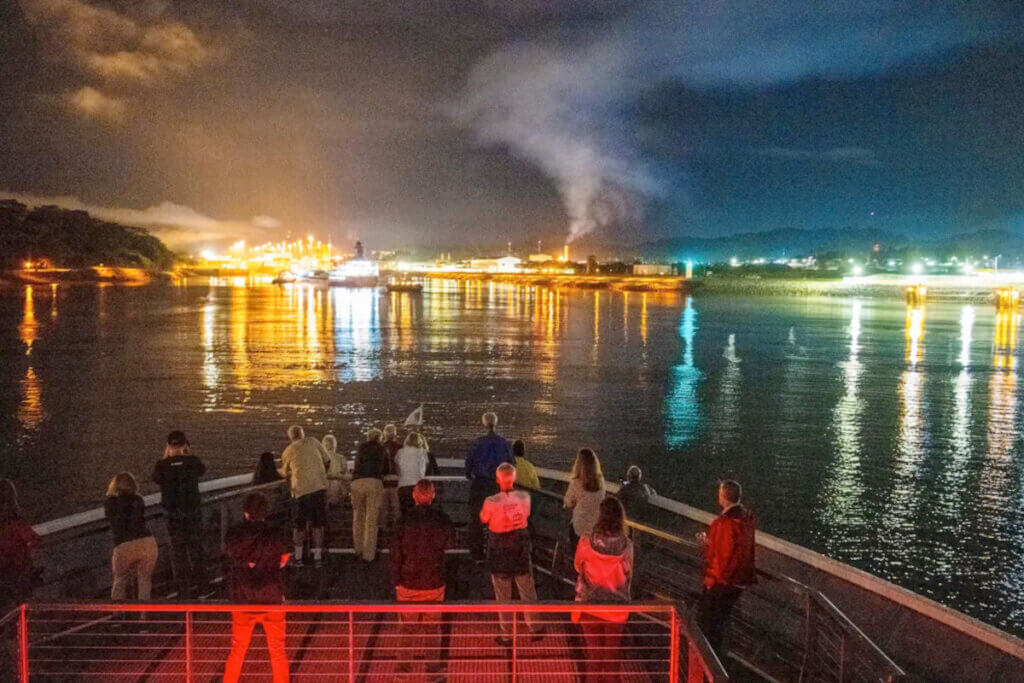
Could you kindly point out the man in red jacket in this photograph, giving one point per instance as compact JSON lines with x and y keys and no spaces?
{"x":728,"y":563}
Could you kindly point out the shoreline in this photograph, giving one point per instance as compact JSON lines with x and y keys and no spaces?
{"x":132,"y":277}
{"x":940,"y":288}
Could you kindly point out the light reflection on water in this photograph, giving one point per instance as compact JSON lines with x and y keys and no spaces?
{"x":874,"y":432}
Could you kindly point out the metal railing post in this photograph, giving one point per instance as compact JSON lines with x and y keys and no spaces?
{"x":188,"y":645}
{"x":515,"y":643}
{"x":694,"y":671}
{"x":673,"y":654}
{"x":351,"y":647}
{"x":23,"y":644}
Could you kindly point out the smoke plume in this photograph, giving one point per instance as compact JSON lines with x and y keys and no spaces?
{"x":567,"y":104}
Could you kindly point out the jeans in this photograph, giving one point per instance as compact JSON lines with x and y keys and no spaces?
{"x":133,"y":559}
{"x":242,"y":625}
{"x":503,"y":593}
{"x":602,"y":654}
{"x":713,"y":613}
{"x":366,"y":496}
{"x":479,"y":490}
{"x":188,"y":558}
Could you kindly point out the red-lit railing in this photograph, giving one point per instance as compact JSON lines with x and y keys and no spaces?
{"x":365,"y":642}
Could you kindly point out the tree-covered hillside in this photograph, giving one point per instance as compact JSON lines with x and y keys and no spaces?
{"x":74,"y":239}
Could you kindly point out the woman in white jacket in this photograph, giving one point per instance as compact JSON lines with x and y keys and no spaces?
{"x":411,"y":461}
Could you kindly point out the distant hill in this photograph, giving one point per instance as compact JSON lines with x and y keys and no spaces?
{"x":772,"y":244}
{"x":794,"y":243}
{"x":74,"y":239}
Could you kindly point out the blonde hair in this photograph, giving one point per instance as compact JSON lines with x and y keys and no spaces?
{"x":373,"y":434}
{"x":415,"y":440}
{"x":587,"y":469}
{"x":390,"y":431}
{"x":122,"y":484}
{"x":330,"y":443}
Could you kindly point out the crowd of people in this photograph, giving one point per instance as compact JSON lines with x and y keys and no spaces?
{"x":388,"y":485}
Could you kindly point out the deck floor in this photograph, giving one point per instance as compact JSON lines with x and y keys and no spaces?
{"x":318,"y":645}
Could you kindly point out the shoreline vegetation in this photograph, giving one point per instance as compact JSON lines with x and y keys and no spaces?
{"x":49,"y":244}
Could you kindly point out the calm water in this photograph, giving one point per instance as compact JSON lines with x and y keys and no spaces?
{"x":883,"y":436}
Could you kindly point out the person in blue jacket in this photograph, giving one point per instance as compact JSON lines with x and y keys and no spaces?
{"x":489,"y":451}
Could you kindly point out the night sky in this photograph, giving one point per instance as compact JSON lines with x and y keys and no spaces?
{"x":471,"y":122}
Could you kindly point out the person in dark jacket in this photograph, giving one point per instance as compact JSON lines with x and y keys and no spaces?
{"x":256,"y":555}
{"x":266,"y":470}
{"x":135,"y":549}
{"x":417,"y":563}
{"x":728,"y":563}
{"x":489,"y":451}
{"x":367,"y":491}
{"x":634,"y":494}
{"x":17,"y":539}
{"x":177,"y":474}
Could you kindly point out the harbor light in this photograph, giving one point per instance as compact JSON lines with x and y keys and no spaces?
{"x":917,"y":269}
{"x":858,"y":270}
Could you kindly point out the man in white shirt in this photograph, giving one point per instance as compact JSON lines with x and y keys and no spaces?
{"x":509,"y":550}
{"x":304,"y":464}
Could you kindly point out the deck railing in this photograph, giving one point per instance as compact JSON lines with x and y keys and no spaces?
{"x":781,"y":628}
{"x":361,"y":642}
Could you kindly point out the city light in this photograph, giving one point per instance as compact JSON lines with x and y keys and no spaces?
{"x":858,"y":270}
{"x":917,"y":269}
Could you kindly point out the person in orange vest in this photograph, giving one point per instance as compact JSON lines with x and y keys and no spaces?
{"x":728,"y":563}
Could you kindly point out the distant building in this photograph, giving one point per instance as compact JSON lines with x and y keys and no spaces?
{"x":541,"y":258}
{"x":647,"y":269}
{"x":505,"y":264}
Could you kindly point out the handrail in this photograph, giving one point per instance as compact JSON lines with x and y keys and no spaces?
{"x":949,"y":617}
{"x":958,"y":621}
{"x":10,"y":616}
{"x":848,"y":625}
{"x":713,"y":668}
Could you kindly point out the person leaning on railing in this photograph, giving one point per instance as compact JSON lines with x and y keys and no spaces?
{"x":489,"y":451}
{"x":411,"y":463}
{"x":526,"y":473}
{"x":509,"y":550}
{"x":584,"y":494}
{"x":728,"y":562}
{"x":256,"y":555}
{"x":304,"y":463}
{"x":338,"y":476}
{"x":367,"y":490}
{"x":390,"y":508}
{"x":604,"y":567}
{"x":135,"y":548}
{"x":177,"y":474}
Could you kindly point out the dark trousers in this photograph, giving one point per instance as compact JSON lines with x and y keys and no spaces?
{"x":603,"y":641}
{"x":713,"y":613}
{"x":479,"y":490}
{"x":405,"y":500}
{"x":188,"y":559}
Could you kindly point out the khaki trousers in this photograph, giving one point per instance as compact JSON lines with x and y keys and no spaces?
{"x":503,"y":593}
{"x":133,"y":560}
{"x":366,"y":497}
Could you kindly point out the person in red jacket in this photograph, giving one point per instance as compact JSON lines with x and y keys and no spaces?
{"x":728,"y":563}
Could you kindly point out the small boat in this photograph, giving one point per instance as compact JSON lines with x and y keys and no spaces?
{"x":405,"y":286}
{"x":315,"y":277}
{"x":284,"y":278}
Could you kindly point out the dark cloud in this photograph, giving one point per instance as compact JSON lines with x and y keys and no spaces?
{"x":454,"y":122}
